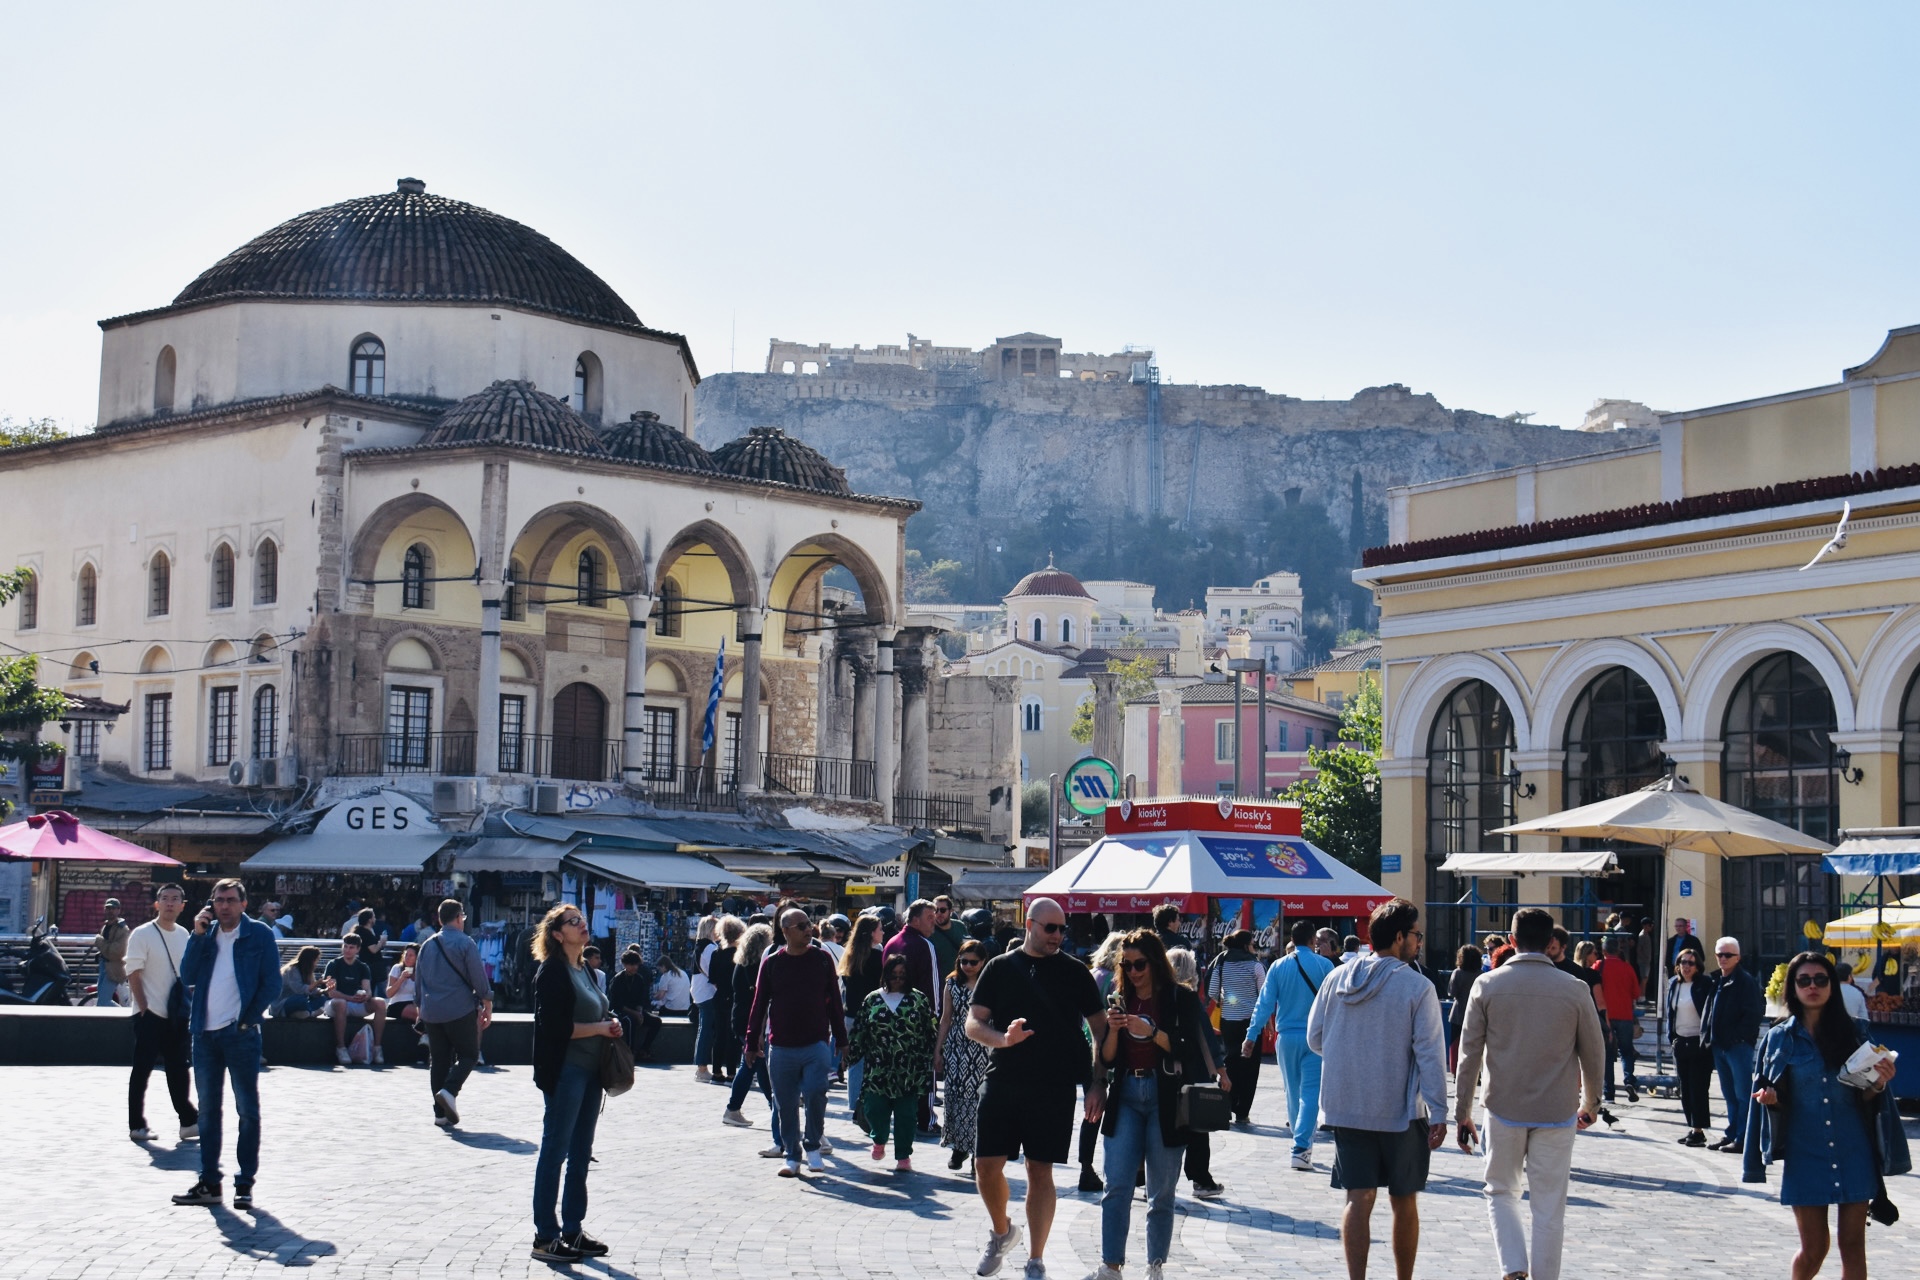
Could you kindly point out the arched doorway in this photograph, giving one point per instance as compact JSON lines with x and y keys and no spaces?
{"x":1469,"y":747}
{"x":580,"y":733}
{"x":1613,"y":747}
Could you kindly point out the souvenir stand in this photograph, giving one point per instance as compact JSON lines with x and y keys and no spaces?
{"x":1884,"y":940}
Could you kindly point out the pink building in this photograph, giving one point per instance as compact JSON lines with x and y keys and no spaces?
{"x":1205,"y":751}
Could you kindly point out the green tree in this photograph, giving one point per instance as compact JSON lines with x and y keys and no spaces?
{"x":930,"y":581}
{"x":24,"y":705}
{"x":1034,"y":811}
{"x":1136,"y":681}
{"x":1340,"y":803}
{"x":32,"y":431}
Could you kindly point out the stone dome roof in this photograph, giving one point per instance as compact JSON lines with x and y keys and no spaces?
{"x":644,"y":438}
{"x":768,"y":453}
{"x":407,"y":246}
{"x":1050,"y":582}
{"x":515,"y":413}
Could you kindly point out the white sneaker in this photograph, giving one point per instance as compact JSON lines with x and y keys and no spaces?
{"x":826,"y":1147}
{"x":442,"y":1122}
{"x":1104,"y":1272}
{"x":140,"y":1135}
{"x":703,"y":1076}
{"x":189,"y":1132}
{"x":1303,"y":1161}
{"x":1155,"y":1270}
{"x":791,"y":1169}
{"x":815,"y":1161}
{"x":448,"y":1107}
{"x":736,"y":1119}
{"x":379,"y":1056}
{"x":773,"y":1153}
{"x":342,"y":1057}
{"x":998,"y":1247}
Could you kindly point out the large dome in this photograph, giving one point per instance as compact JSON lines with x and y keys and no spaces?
{"x":768,"y":453}
{"x":644,"y":438}
{"x":1050,"y":582}
{"x":515,"y":413}
{"x":407,"y":246}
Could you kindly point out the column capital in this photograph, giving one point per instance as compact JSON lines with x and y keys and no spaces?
{"x":1703,"y":751}
{"x":1538,"y":761}
{"x":1868,"y":742}
{"x":1403,"y":767}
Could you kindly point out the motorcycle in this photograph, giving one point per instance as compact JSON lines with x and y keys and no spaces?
{"x":43,"y":976}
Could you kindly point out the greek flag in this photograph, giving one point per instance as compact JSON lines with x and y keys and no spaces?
{"x":713,"y":696}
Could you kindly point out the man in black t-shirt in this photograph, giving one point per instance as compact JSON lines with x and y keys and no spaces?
{"x":1038,"y":1011}
{"x":350,"y":994}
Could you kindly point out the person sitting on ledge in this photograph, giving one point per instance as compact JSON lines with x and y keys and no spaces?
{"x":350,"y":995}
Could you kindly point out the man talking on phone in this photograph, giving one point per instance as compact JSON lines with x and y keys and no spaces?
{"x":233,"y":967}
{"x":1538,"y":1034}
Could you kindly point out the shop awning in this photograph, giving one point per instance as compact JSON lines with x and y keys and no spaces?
{"x":1884,"y":851}
{"x":754,"y":863}
{"x":401,"y":855}
{"x":662,"y":870}
{"x":1514,"y":865}
{"x":505,"y":853}
{"x":1139,"y":872}
{"x":207,"y":824}
{"x":995,"y":884}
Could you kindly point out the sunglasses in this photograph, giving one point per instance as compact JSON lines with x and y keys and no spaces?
{"x":970,"y":962}
{"x":574,"y":922}
{"x":1051,"y":928}
{"x":1810,"y":979}
{"x":1689,"y":964}
{"x":1136,"y":966}
{"x":1727,"y":955}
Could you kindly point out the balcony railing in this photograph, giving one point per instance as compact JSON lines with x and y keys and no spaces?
{"x":578,"y":759}
{"x":826,"y":777}
{"x":691,"y":787}
{"x":949,"y":812}
{"x":371,"y":754}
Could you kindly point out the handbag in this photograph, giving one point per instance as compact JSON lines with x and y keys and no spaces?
{"x":1882,"y":1210}
{"x":177,"y":993}
{"x":1203,"y":1108}
{"x":616,"y":1066}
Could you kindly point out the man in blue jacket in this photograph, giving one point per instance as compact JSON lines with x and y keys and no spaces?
{"x":233,"y":967}
{"x":1287,"y":995}
{"x":1731,"y":1027}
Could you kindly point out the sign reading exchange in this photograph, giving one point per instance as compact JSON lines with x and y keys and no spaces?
{"x":1262,"y":858}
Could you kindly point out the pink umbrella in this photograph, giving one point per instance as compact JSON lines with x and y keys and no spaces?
{"x":60,"y":837}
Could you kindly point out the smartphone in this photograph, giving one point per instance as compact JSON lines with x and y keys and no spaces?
{"x":1116,"y":1002}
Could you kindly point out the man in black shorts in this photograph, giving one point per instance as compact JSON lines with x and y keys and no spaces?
{"x":1037,"y":1010}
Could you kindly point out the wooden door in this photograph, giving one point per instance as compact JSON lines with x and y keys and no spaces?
{"x":580,"y":733}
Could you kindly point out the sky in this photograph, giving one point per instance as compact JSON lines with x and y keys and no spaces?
{"x":1515,"y":207}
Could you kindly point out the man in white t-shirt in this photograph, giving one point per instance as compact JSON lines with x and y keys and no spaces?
{"x":155,"y":951}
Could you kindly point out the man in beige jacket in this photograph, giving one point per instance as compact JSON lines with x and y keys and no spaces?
{"x":1537,"y":1033}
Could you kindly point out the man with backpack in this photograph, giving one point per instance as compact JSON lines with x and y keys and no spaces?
{"x":1286,"y":997}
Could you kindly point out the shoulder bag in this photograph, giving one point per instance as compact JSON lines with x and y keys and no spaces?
{"x":616,"y":1066}
{"x":177,"y":993}
{"x":1203,"y":1108}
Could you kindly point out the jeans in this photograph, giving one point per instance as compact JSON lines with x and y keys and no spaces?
{"x":1693,"y":1064}
{"x":899,"y":1113}
{"x":1734,"y":1064}
{"x":105,"y":988}
{"x":1243,"y":1073}
{"x":566,"y":1136}
{"x":455,"y":1049}
{"x":748,"y":1077}
{"x":1301,"y":1067}
{"x":157,"y":1038}
{"x":1135,"y":1102}
{"x":856,"y":1075}
{"x":705,"y":1033}
{"x":219,"y":1056}
{"x":1547,"y":1157}
{"x":1620,"y":1045}
{"x":297,"y":1006}
{"x":799,"y":1074}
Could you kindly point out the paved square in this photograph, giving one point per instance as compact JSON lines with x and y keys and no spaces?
{"x":355,"y":1181}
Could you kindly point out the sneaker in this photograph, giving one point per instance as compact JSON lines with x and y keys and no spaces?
{"x":903,"y":1165}
{"x":791,"y":1169}
{"x":1303,"y":1161}
{"x":735,"y":1118}
{"x":1207,"y":1190}
{"x":815,"y":1161}
{"x":379,"y":1056}
{"x":957,"y":1159}
{"x":202,"y":1192}
{"x":703,"y":1076}
{"x":243,"y":1195}
{"x":773,"y":1153}
{"x":555,"y":1250}
{"x":825,"y":1148}
{"x":998,"y":1247}
{"x":1633,"y":1092}
{"x":879,"y":1151}
{"x":190,"y":1132}
{"x":585,"y":1245}
{"x":1156,"y":1270}
{"x":449,"y":1106}
{"x":1089,"y":1180}
{"x":1036,"y":1269}
{"x":1105,"y":1272}
{"x":342,"y":1057}
{"x":441,"y":1122}
{"x":140,"y":1135}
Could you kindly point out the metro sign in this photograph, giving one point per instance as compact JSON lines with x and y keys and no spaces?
{"x":1090,"y":785}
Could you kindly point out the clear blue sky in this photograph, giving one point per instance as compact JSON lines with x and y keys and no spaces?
{"x":1514,"y":207}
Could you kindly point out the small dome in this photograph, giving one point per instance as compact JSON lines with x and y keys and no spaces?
{"x":1050,"y":582}
{"x":768,"y":453}
{"x":644,"y":438}
{"x":407,"y":246}
{"x":515,"y":413}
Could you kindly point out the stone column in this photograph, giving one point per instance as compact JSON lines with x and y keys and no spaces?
{"x":633,"y":721}
{"x":860,"y":735}
{"x":913,"y":729}
{"x":1106,"y":718}
{"x":885,"y":756}
{"x":493,"y":560}
{"x":1166,"y":774}
{"x":748,"y":770}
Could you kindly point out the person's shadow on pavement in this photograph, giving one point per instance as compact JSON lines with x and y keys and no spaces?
{"x":254,"y":1233}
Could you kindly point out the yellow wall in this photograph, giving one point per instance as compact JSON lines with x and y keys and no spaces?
{"x":1481,"y":504}
{"x":1897,"y":423}
{"x":1602,"y":485}
{"x":700,"y":576}
{"x":443,"y":534}
{"x":1901,"y":355}
{"x":1767,"y":444}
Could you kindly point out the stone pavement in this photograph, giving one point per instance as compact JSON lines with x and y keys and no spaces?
{"x":356,"y":1182}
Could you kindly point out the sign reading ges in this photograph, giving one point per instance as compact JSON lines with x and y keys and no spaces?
{"x":387,"y":813}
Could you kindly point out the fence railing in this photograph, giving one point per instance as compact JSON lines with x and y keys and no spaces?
{"x":371,"y":754}
{"x":948,"y":811}
{"x":691,"y":786}
{"x":828,"y":777}
{"x":579,"y":759}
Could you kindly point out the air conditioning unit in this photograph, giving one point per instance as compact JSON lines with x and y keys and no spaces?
{"x":243,"y":773}
{"x":282,"y":772}
{"x":456,"y":795}
{"x":546,"y":798}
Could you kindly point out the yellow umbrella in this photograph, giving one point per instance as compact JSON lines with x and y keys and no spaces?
{"x":1890,"y":925}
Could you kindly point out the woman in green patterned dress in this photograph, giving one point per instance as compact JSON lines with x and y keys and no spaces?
{"x":893,"y":1035}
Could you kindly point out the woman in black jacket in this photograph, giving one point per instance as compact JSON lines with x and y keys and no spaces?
{"x":1153,"y":1046}
{"x":726,"y":1047}
{"x":1687,"y":993}
{"x":570,"y":1019}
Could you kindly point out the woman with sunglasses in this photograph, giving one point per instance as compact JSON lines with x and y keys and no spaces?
{"x":961,"y":1062}
{"x":1687,"y":994}
{"x":893,"y":1036}
{"x":1829,"y":1135}
{"x":571,"y":1020}
{"x":1153,"y":1045}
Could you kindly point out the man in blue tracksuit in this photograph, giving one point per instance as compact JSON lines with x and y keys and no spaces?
{"x":1287,"y":995}
{"x":233,"y":966}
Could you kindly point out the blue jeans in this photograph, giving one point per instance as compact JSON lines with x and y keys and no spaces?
{"x":706,"y":1031}
{"x":800,"y":1074}
{"x":566,"y":1135}
{"x":1620,"y":1045}
{"x":750,"y":1075}
{"x":1135,"y":1101}
{"x":1301,"y":1067}
{"x":1734,"y":1064}
{"x":218,"y":1056}
{"x":104,"y":987}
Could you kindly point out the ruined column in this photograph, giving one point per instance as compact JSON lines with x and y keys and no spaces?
{"x":747,"y":774}
{"x":492,"y":554}
{"x":1106,"y":718}
{"x":633,"y":723}
{"x":914,"y":713}
{"x":1166,"y":780}
{"x":884,"y":754}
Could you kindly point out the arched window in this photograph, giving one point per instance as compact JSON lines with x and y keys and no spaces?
{"x":587,"y":382}
{"x":266,"y":572}
{"x":667,"y":609}
{"x":416,"y":578}
{"x":1066,"y":631}
{"x":1039,"y":631}
{"x":1468,"y":750}
{"x":1910,"y":754}
{"x":163,"y":371}
{"x":266,"y":723}
{"x":1030,"y":715}
{"x":367,"y":372}
{"x":222,"y":597}
{"x":159,"y":586}
{"x":590,"y":579}
{"x":29,"y":601}
{"x":1778,"y":754}
{"x":86,"y":600}
{"x":513,"y":600}
{"x":1613,"y":738}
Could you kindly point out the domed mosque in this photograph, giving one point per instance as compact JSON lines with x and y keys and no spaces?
{"x":421,"y":455}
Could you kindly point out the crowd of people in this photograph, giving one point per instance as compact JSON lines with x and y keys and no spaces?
{"x":1143,"y":1051}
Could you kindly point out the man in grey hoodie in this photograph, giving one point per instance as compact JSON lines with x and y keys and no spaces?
{"x":1376,"y":1023}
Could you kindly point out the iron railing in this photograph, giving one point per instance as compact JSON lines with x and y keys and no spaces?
{"x":823,"y":776}
{"x":372,"y":754}
{"x":579,"y":759}
{"x":947,"y":811}
{"x":691,"y":786}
